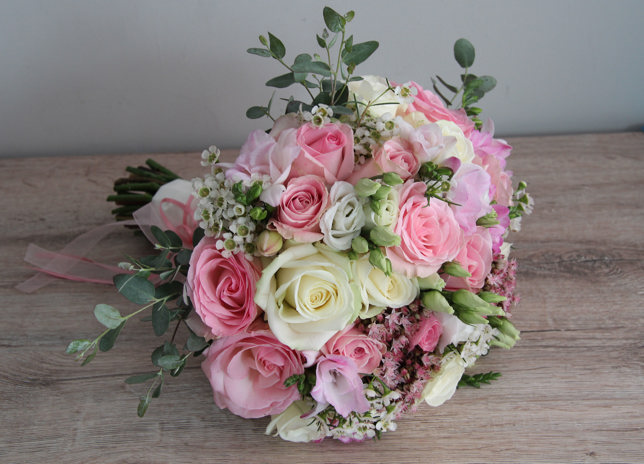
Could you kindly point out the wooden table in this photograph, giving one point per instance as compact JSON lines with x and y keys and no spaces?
{"x":572,"y":389}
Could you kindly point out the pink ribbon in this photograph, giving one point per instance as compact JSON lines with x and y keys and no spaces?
{"x":71,"y":262}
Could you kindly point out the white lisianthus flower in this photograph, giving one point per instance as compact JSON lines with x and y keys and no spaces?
{"x":443,"y":383}
{"x":387,"y":214}
{"x":307,"y":294}
{"x":342,"y":222}
{"x":373,"y":89}
{"x":461,"y":148}
{"x":379,"y":291}
{"x":291,"y":426}
{"x":454,"y":331}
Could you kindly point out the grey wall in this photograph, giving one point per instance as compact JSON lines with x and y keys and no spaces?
{"x":83,"y":77}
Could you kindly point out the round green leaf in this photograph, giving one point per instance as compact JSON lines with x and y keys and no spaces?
{"x":108,"y":316}
{"x":464,"y":53}
{"x":136,"y":289}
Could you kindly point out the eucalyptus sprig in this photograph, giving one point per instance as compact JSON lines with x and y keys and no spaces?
{"x":472,"y":88}
{"x":164,"y":299}
{"x":325,"y":78}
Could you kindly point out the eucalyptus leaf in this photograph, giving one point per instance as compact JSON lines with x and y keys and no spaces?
{"x":143,"y":406}
{"x":464,"y":53}
{"x":281,"y":81}
{"x":136,"y":289}
{"x":175,"y":240}
{"x":91,"y":356}
{"x":195,"y":343}
{"x":169,"y":361}
{"x":108,"y":315}
{"x":157,"y":391}
{"x":256,"y":112}
{"x":160,"y":319}
{"x":183,"y":257}
{"x":333,"y":20}
{"x":321,"y":41}
{"x":449,"y":87}
{"x":169,"y":290}
{"x":197,"y":235}
{"x":276,"y":46}
{"x":108,"y":340}
{"x":360,"y":52}
{"x":259,"y":52}
{"x":160,"y":236}
{"x":76,"y":346}
{"x":337,"y":109}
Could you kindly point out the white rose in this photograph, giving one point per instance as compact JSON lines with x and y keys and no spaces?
{"x":454,"y":331}
{"x":342,"y":222}
{"x":443,"y":384}
{"x":379,"y":291}
{"x":370,"y":90}
{"x":307,"y":295}
{"x":461,"y":147}
{"x":291,"y":426}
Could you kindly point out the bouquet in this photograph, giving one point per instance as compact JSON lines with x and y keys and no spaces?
{"x":347,"y":267}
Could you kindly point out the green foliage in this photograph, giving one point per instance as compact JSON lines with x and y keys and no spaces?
{"x":477,"y":379}
{"x":136,"y":289}
{"x":324,"y":78}
{"x":472,"y":88}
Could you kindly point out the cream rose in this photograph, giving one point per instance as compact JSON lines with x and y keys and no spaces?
{"x":461,"y":147}
{"x":290,"y":425}
{"x":371,"y":89}
{"x":308,"y":295}
{"x":443,"y":384}
{"x":342,"y":222}
{"x":379,"y":291}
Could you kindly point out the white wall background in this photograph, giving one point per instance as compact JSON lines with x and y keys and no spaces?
{"x":88,"y":76}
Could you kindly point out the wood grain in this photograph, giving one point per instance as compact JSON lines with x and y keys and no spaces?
{"x":572,"y":389}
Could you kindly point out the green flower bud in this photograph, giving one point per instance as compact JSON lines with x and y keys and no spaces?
{"x":431,"y":282}
{"x":263,"y":40}
{"x":391,"y":178}
{"x":491,"y":297}
{"x":258,"y":214}
{"x":366,"y":187}
{"x":468,"y":300}
{"x":471,"y":317}
{"x":381,"y":193}
{"x":382,"y":236}
{"x":435,"y":301}
{"x":455,"y":269}
{"x":380,"y":261}
{"x":505,"y":327}
{"x":360,"y":245}
{"x":489,"y":220}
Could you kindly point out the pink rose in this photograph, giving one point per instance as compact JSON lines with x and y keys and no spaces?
{"x":222,"y":289}
{"x":351,"y":343}
{"x":429,"y":233}
{"x":476,"y":258}
{"x":470,"y":189}
{"x":426,"y":334}
{"x":339,"y":384}
{"x":396,"y":155}
{"x":300,"y":209}
{"x":327,"y":152}
{"x":434,"y":110}
{"x":247,"y":372}
{"x":263,"y":155}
